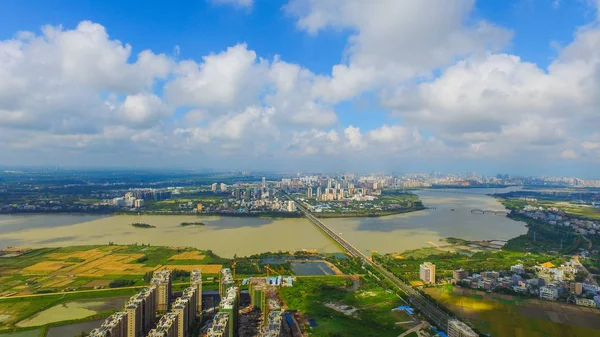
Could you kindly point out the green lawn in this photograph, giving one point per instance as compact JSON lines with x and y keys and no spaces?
{"x":374,"y":316}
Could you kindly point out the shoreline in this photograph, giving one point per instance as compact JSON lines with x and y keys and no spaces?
{"x":294,"y":215}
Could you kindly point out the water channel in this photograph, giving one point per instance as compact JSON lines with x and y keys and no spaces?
{"x":449,"y":215}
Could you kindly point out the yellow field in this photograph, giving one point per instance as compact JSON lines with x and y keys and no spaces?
{"x":98,"y":262}
{"x":44,"y":267}
{"x":205,"y":268}
{"x":195,"y":255}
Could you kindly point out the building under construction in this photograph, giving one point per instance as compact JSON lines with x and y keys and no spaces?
{"x":230,"y":305}
{"x":226,"y":281}
{"x":114,"y":326}
{"x":220,"y":326}
{"x":274,"y":326}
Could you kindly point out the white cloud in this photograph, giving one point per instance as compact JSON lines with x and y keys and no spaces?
{"x":391,"y":41}
{"x":229,"y":79}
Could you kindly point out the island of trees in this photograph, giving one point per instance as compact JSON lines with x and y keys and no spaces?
{"x":142,"y":225}
{"x":192,"y":224}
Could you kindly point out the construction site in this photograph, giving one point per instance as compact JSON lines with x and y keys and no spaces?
{"x":256,"y":312}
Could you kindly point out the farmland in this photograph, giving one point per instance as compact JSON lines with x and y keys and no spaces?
{"x":50,"y":286}
{"x":504,"y":315}
{"x":84,"y":267}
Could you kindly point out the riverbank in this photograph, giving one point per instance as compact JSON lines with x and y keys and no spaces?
{"x":367,"y":215}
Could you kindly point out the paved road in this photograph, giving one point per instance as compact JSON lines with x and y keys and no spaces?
{"x":407,"y":332}
{"x":427,"y":308}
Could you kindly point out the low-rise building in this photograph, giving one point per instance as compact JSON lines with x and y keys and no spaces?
{"x":585,"y":302}
{"x":457,"y":328}
{"x":549,"y":292}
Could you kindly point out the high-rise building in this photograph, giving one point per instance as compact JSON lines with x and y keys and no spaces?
{"x":196,"y":282}
{"x":427,"y":273}
{"x":138,"y":203}
{"x":338,"y":186}
{"x":114,"y":326}
{"x":237,"y":193}
{"x":213,"y":187}
{"x":223,"y":187}
{"x":459,"y":274}
{"x":162,"y":281}
{"x":319,"y":193}
{"x":291,"y":206}
{"x":341,"y":195}
{"x":166,"y":327}
{"x":457,"y":328}
{"x":199,"y":207}
{"x":225,"y":281}
{"x":220,"y":327}
{"x":230,"y":304}
{"x":264,"y":182}
{"x":329,"y":182}
{"x":141,"y":312}
{"x":309,"y":193}
{"x":185,"y":308}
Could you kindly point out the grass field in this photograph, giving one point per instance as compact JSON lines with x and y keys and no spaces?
{"x":503,"y":315}
{"x":374,"y":316}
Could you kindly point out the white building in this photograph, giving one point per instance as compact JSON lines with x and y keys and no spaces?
{"x":549,"y":293}
{"x":457,"y":328}
{"x":585,"y":302}
{"x":427,"y":273}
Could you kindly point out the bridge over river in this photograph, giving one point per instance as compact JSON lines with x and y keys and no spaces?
{"x":429,"y":309}
{"x":488,"y":211}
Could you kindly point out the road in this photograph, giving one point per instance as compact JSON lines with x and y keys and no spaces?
{"x":427,"y":308}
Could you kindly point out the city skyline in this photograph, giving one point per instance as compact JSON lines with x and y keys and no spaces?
{"x":452,"y":86}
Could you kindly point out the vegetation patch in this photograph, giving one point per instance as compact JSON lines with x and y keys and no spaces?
{"x":142,"y":225}
{"x":184,"y":224}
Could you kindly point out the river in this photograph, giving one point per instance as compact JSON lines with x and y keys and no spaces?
{"x":227,"y":236}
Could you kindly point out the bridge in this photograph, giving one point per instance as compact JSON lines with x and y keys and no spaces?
{"x":488,"y":211}
{"x":416,"y":299}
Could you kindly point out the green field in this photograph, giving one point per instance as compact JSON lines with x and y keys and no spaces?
{"x":374,"y":316}
{"x":501,"y":315}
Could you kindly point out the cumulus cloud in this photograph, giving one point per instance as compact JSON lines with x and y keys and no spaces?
{"x":391,"y":41}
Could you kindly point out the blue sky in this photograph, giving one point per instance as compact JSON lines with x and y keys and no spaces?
{"x":471,"y":85}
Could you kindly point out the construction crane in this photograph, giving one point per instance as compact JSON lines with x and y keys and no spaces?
{"x":268,"y":269}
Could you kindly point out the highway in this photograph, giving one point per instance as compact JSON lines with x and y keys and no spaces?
{"x":429,"y":309}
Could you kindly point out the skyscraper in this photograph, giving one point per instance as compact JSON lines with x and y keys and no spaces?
{"x":196,"y":282}
{"x":264,"y":182}
{"x":213,"y":187}
{"x":319,"y":193}
{"x":427,"y":273}
{"x":309,"y":193}
{"x":329,"y":183}
{"x":162,"y":281}
{"x":223,"y":187}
